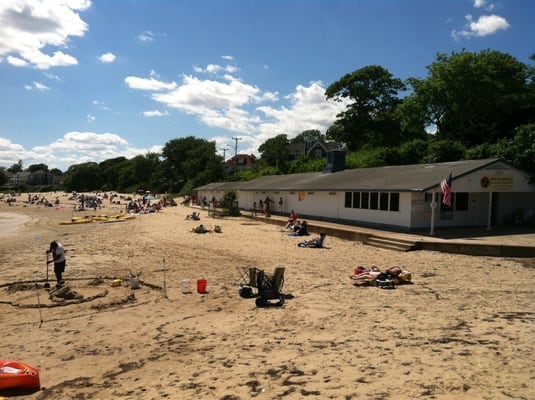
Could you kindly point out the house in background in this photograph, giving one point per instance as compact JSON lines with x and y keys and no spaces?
{"x":313,"y":148}
{"x":239,"y":162}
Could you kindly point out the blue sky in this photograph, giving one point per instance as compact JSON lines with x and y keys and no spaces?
{"x":88,"y":80}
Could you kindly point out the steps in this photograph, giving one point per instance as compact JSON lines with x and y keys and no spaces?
{"x":390,"y":243}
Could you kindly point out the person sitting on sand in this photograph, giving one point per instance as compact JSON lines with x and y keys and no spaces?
{"x":194,"y":216}
{"x":291,"y":220}
{"x":314,"y":243}
{"x":200,"y":229}
{"x":300,"y":229}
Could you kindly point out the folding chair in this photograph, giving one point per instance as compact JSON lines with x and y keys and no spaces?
{"x":270,"y":287}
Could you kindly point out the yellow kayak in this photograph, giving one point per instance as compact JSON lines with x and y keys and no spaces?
{"x":77,"y":220}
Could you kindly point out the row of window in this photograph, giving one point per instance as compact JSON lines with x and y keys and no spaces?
{"x":390,"y":201}
{"x":372,"y":201}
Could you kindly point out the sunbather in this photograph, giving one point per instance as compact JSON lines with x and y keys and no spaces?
{"x":314,"y":243}
{"x":366,"y":274}
{"x":200,"y":229}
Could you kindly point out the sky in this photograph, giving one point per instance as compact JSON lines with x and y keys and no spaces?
{"x":86,"y":81}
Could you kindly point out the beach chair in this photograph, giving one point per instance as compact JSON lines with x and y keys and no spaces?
{"x":247,"y":281}
{"x":247,"y":276}
{"x":270,"y":287}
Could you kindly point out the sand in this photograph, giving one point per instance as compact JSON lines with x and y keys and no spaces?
{"x":464,"y":328}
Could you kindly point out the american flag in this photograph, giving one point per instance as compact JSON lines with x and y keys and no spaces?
{"x":445,"y":186}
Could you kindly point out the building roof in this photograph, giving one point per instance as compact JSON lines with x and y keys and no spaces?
{"x":399,"y":178}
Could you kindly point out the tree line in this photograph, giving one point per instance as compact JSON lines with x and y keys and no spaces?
{"x":470,"y":106}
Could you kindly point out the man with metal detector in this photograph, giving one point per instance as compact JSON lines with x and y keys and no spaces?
{"x":58,"y":258}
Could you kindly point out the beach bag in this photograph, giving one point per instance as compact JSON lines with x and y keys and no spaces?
{"x":404,"y":277}
{"x":246,"y":292}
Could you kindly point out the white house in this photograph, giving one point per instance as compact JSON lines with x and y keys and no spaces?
{"x":407,"y":197}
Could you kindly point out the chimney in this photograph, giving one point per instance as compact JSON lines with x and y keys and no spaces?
{"x":336,"y":161}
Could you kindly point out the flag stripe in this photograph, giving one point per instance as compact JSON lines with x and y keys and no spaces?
{"x":445,"y":187}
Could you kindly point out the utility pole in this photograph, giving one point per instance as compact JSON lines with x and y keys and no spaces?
{"x":224,"y":153}
{"x":224,"y":159}
{"x":236,"y":152}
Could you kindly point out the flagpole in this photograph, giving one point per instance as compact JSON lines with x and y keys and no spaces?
{"x":433,"y":206}
{"x":489,"y":218}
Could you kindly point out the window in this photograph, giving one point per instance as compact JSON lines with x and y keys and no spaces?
{"x":383,"y":201}
{"x":461,"y":201}
{"x":356,"y":199}
{"x":364,"y":200}
{"x":347,"y":201}
{"x":394,"y":201}
{"x":374,"y":201}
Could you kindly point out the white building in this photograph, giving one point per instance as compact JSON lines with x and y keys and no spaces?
{"x":485,"y":193}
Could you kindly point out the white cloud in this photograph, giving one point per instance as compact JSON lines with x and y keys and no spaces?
{"x":90,"y":118}
{"x":308,"y":109}
{"x":217,"y":104}
{"x":484,"y":4}
{"x":37,"y":86}
{"x":149,"y":36}
{"x":155,"y":113}
{"x":146,"y":36}
{"x":17,"y":62}
{"x":483,"y":26}
{"x":52,"y":76}
{"x":29,"y":26}
{"x":101,"y":105}
{"x":151,"y":84}
{"x":216,"y":68}
{"x":107,"y":57}
{"x":79,"y":147}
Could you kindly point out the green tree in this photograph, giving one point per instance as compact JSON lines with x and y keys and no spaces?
{"x":469,"y":97}
{"x":370,"y":118}
{"x":520,"y":150}
{"x":189,"y":162}
{"x":312,"y":134}
{"x":274,"y":153}
{"x":3,"y":176}
{"x":110,"y":172}
{"x":38,"y":167}
{"x":84,"y":177}
{"x":15,"y":167}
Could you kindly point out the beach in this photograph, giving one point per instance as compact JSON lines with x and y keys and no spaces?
{"x":464,"y":328}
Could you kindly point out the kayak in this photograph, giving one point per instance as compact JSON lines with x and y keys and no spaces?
{"x":77,"y":220}
{"x":18,"y":374}
{"x":118,"y":218}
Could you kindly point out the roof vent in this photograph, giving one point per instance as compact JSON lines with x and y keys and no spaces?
{"x":336,"y":161}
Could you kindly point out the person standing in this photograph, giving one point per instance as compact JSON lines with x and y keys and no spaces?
{"x":58,"y":258}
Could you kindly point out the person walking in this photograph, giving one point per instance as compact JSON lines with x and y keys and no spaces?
{"x":58,"y":258}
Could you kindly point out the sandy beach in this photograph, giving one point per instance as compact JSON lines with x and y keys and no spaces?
{"x":464,"y":329}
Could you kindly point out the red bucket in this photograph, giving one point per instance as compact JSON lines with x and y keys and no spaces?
{"x":201,"y":285}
